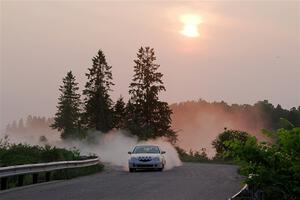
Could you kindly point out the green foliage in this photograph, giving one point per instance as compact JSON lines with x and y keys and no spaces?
{"x":67,"y":117}
{"x":220,"y":143}
{"x":284,"y":123}
{"x":97,"y":102}
{"x":148,"y":117}
{"x":276,"y":166}
{"x":192,"y":156}
{"x":18,"y":154}
{"x":275,"y":116}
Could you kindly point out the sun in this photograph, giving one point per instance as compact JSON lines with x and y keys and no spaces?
{"x":190,"y":30}
{"x":191,"y":24}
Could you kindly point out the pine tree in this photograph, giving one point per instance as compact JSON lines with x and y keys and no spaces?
{"x":67,"y":117}
{"x":119,"y":114}
{"x":151,"y":117}
{"x":98,"y":104}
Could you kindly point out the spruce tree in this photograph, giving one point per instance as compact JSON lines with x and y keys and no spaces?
{"x":97,"y":102}
{"x":67,"y":117}
{"x":151,"y":117}
{"x":119,"y":114}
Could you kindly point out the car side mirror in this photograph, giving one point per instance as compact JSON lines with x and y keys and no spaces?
{"x":129,"y":152}
{"x":163,"y":152}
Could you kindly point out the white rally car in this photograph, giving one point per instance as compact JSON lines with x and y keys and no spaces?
{"x":146,"y":157}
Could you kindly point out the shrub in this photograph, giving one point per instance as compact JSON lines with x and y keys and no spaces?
{"x":276,"y":166}
{"x":192,"y":156}
{"x":18,"y":154}
{"x":228,"y":135}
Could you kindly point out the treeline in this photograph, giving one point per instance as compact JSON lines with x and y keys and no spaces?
{"x":30,"y":123}
{"x":144,"y":115}
{"x":261,"y":109}
{"x":262,"y":114}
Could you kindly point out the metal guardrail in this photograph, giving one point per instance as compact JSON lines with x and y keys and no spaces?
{"x":34,"y":169}
{"x":249,"y":192}
{"x":44,"y":167}
{"x":236,"y":196}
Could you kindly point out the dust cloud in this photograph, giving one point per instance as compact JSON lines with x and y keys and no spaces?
{"x":199,"y":123}
{"x":111,"y":147}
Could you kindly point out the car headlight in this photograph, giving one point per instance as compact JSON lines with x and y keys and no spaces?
{"x":156,"y":159}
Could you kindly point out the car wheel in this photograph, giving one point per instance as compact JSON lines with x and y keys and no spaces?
{"x":131,"y":170}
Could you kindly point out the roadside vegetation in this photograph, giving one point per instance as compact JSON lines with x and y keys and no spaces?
{"x":200,"y":157}
{"x":192,"y":156}
{"x":19,"y":154}
{"x":274,"y":166}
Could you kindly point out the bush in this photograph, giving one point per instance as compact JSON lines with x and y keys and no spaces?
{"x":192,"y":156}
{"x":228,"y":135}
{"x":276,"y":166}
{"x":18,"y":154}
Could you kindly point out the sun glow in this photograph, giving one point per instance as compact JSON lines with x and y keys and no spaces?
{"x":190,"y":25}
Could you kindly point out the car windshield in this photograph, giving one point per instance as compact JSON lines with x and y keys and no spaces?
{"x":146,"y":149}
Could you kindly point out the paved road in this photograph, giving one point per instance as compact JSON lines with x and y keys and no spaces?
{"x":190,"y":181}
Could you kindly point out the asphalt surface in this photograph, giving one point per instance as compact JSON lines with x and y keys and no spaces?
{"x":187,"y":182}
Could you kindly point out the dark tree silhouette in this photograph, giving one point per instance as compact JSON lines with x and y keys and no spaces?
{"x":67,"y":117}
{"x":150,"y":116}
{"x":119,"y":114}
{"x":97,"y":102}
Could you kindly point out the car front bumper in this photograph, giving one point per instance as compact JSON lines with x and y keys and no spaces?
{"x":145,"y":165}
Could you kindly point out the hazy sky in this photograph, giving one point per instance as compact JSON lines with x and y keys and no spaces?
{"x":245,"y":52}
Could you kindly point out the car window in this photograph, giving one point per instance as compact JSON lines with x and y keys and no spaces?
{"x":146,"y":149}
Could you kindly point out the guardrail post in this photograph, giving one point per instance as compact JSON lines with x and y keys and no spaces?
{"x":35,"y":178}
{"x":4,"y":183}
{"x":48,"y":175}
{"x":20,"y":180}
